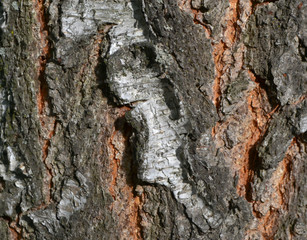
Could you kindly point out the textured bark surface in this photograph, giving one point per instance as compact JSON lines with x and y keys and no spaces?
{"x":153,"y":119}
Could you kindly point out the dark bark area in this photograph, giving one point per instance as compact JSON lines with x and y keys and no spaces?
{"x":169,"y":119}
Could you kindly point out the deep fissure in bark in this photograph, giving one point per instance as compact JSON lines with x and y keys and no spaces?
{"x":127,"y":203}
{"x":237,"y":170}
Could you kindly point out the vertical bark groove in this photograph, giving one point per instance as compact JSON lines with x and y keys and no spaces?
{"x":140,"y":119}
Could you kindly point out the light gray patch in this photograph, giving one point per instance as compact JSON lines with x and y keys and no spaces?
{"x":73,"y":197}
{"x":81,"y":19}
{"x":161,"y":125}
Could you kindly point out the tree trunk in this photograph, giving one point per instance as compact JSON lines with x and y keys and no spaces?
{"x":153,"y":119}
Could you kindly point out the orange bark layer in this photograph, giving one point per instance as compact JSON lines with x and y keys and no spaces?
{"x":114,"y":164}
{"x":49,"y":172}
{"x":301,"y":99}
{"x":15,"y":231}
{"x":186,"y":5}
{"x":126,"y":205}
{"x":115,"y":152}
{"x":48,"y":123}
{"x":43,"y":95}
{"x":220,"y":49}
{"x":255,"y":116}
{"x":230,"y":36}
{"x":218,"y":53}
{"x":250,"y":120}
{"x":256,"y":128}
{"x":259,"y":116}
{"x":13,"y":227}
{"x":227,"y":51}
{"x":276,"y":202}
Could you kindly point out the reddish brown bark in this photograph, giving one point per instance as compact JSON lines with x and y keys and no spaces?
{"x":127,"y":204}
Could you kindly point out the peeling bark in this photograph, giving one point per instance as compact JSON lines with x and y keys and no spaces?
{"x":147,"y":119}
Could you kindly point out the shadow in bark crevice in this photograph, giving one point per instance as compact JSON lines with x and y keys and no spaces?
{"x":129,"y":166}
{"x":2,"y":21}
{"x":101,"y":77}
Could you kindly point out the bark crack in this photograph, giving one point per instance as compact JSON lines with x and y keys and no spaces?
{"x":221,"y":51}
{"x":127,"y":199}
{"x":197,"y":17}
{"x":15,"y":229}
{"x":48,"y":122}
{"x":276,"y":203}
{"x":261,"y":104}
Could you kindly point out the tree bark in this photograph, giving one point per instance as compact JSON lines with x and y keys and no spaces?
{"x":153,"y":119}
